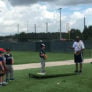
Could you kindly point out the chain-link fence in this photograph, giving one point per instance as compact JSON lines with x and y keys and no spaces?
{"x":51,"y":46}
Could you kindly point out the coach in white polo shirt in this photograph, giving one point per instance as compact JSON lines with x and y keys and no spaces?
{"x":78,"y":47}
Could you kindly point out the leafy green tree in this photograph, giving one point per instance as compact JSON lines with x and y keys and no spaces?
{"x":74,"y":33}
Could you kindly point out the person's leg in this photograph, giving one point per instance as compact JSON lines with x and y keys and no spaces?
{"x":4,"y":83}
{"x":1,"y":74}
{"x":1,"y":80}
{"x":7,"y":73}
{"x":7,"y":76}
{"x":76,"y":67}
{"x":76,"y":62}
{"x":80,"y":67}
{"x":11,"y":73}
{"x":81,"y":60}
{"x":42,"y":65}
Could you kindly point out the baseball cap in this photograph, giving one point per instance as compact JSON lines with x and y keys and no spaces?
{"x":8,"y":49}
{"x":2,"y":50}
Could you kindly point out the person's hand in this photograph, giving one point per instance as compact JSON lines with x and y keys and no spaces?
{"x":78,"y":52}
{"x":42,"y":55}
{"x":12,"y":61}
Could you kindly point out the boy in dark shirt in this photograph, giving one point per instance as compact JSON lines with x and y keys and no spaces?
{"x":9,"y":62}
{"x":43,"y":58}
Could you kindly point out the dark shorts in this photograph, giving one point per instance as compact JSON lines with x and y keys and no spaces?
{"x":2,"y":74}
{"x":78,"y":58}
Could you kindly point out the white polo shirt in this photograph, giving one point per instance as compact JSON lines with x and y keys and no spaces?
{"x":78,"y":46}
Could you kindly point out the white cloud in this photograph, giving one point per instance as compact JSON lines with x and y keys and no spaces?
{"x":36,"y":14}
{"x":77,"y":15}
{"x":76,"y":20}
{"x":39,"y":14}
{"x":88,"y":11}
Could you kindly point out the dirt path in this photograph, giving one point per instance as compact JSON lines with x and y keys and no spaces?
{"x":48,"y":64}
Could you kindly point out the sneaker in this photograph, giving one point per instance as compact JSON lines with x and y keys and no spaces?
{"x":80,"y":71}
{"x":4,"y":83}
{"x":76,"y":71}
{"x":0,"y":85}
{"x":7,"y":80}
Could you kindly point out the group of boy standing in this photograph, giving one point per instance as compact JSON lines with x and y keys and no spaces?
{"x":6,"y":69}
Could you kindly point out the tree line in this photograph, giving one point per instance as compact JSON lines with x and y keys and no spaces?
{"x":85,"y":35}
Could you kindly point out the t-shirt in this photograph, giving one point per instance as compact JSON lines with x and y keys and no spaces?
{"x":9,"y":59}
{"x":78,"y":46}
{"x":42,"y":52}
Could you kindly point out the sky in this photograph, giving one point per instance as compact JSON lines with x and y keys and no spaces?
{"x":18,"y":16}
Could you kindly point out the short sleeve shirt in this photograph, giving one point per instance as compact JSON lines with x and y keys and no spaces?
{"x":78,"y":46}
{"x":42,"y":52}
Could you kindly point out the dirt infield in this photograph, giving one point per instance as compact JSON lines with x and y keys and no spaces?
{"x":48,"y":64}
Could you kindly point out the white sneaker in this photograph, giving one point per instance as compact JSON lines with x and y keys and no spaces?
{"x":5,"y":83}
{"x":0,"y":85}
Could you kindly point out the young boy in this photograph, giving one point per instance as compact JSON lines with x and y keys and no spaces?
{"x":2,"y":69}
{"x":43,"y":57}
{"x":9,"y":62}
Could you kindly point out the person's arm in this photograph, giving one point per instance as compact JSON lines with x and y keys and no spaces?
{"x":12,"y":60}
{"x":42,"y":54}
{"x":82,"y":46}
{"x":73,"y":46}
{"x":1,"y":67}
{"x":4,"y":65}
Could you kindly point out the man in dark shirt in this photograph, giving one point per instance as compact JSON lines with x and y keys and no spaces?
{"x":43,"y":58}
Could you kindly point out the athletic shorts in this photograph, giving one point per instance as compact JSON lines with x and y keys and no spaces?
{"x":1,"y":74}
{"x":78,"y":58}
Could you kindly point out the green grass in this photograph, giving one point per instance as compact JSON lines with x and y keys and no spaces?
{"x":23,"y":57}
{"x":73,"y":83}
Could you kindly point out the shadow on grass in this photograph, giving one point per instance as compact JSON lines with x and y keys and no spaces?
{"x":37,"y":76}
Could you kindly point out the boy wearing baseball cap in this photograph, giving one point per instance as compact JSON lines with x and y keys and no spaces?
{"x":9,"y":63}
{"x":43,"y":57}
